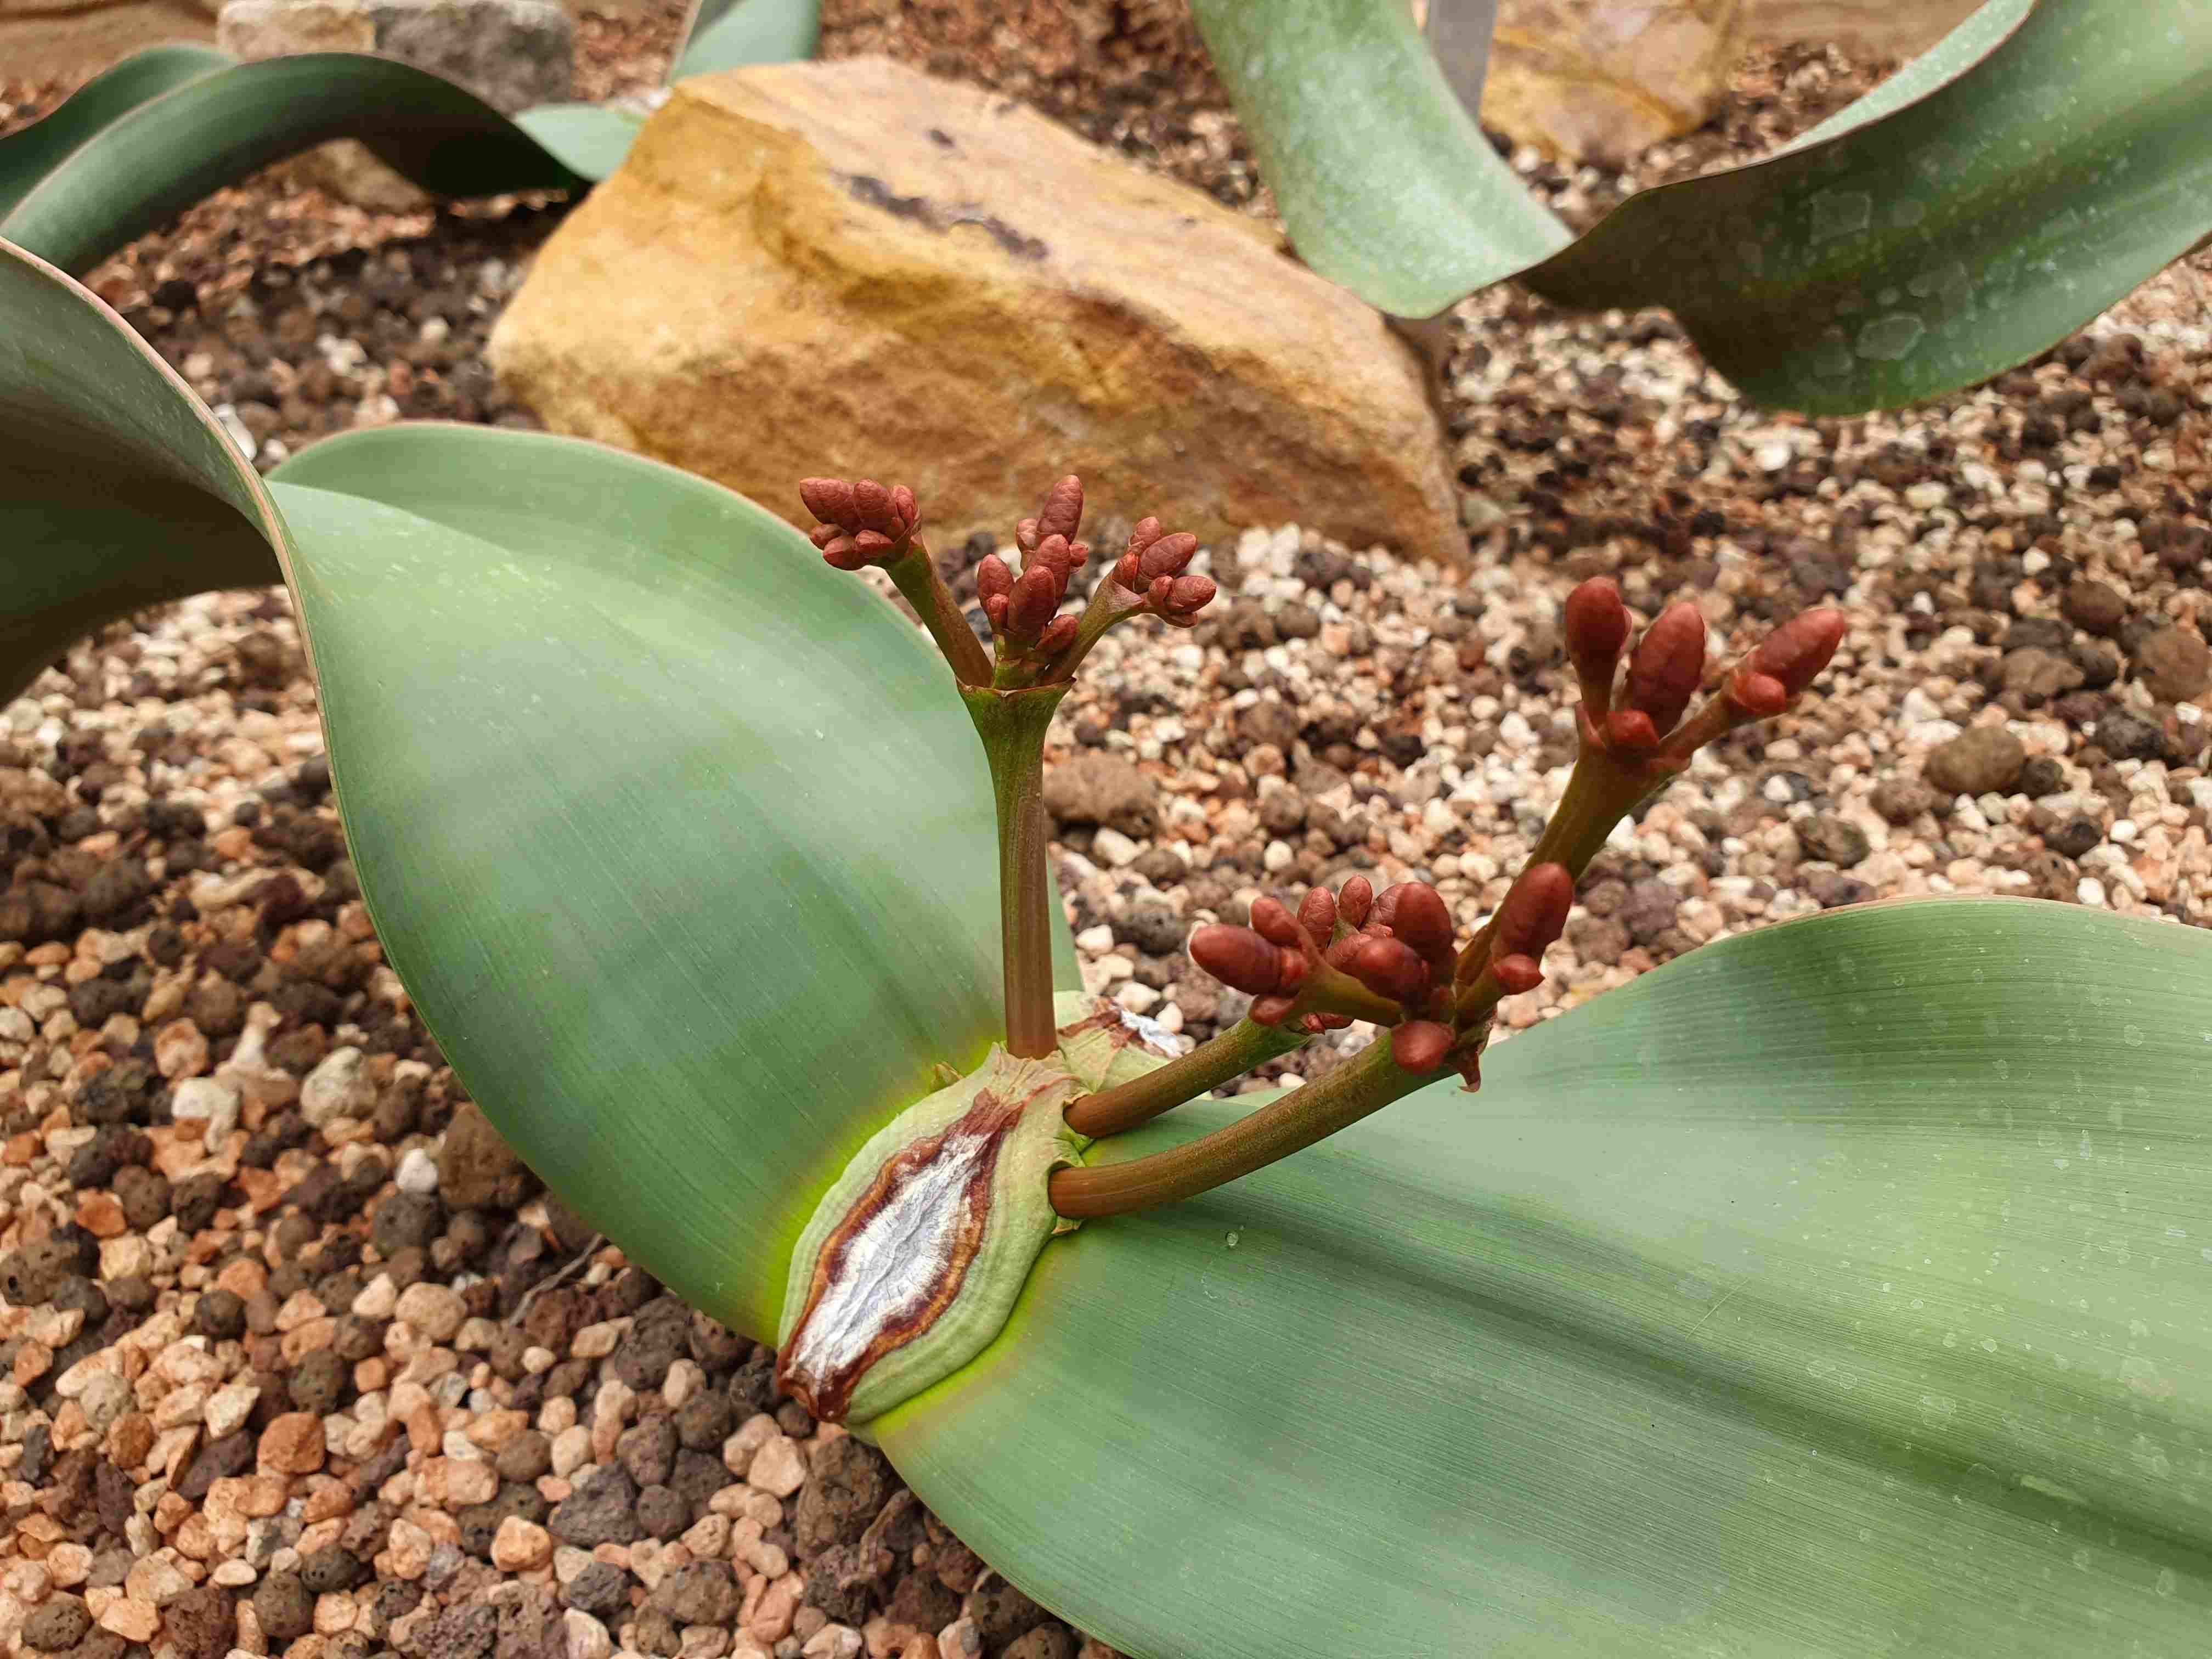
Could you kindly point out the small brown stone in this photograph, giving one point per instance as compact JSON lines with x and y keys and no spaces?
{"x":292,"y":1444}
{"x":2175,"y":664}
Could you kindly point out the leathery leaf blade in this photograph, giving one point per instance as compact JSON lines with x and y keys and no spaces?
{"x":1997,"y":194}
{"x":1843,"y":1289}
{"x":118,"y":490}
{"x":680,"y":842}
{"x":31,"y":152}
{"x":165,"y":127}
{"x":151,"y":163}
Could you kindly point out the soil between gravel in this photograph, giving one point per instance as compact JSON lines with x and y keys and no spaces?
{"x":293,"y":1356}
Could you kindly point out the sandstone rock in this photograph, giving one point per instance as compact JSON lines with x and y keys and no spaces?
{"x":511,"y":53}
{"x":857,"y":268}
{"x":1599,"y":79}
{"x":39,"y":39}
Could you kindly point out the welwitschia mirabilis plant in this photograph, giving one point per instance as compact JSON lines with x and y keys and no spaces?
{"x":1974,"y":210}
{"x":1839,"y":1288}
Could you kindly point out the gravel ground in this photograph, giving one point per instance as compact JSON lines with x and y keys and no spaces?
{"x":292,"y":1354}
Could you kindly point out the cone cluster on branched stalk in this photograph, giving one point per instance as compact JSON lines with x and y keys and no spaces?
{"x":1394,"y":958}
{"x":1393,"y":961}
{"x":1033,"y":643}
{"x":1643,"y":724}
{"x":862,"y":524}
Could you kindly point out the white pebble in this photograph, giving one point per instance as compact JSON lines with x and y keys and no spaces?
{"x":337,"y":1087}
{"x":2090,"y":891}
{"x":418,"y":1172}
{"x":1116,"y":848}
{"x":1137,"y":997}
{"x":205,"y":1097}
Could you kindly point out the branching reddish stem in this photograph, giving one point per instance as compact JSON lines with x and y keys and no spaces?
{"x":1229,"y":1054}
{"x":1362,"y":1086}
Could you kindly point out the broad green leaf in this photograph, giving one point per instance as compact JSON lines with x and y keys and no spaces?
{"x":2033,"y":168}
{"x":118,"y":490}
{"x":1383,"y":179}
{"x":730,"y":33}
{"x":1843,"y":1289}
{"x":590,"y":140}
{"x":148,"y":166}
{"x":681,"y":842}
{"x":28,"y":154}
{"x":165,"y":126}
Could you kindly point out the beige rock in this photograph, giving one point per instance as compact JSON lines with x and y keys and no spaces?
{"x":228,"y":1406}
{"x":435,"y":1310}
{"x":571,"y":1447}
{"x":407,"y":1552}
{"x":521,"y":1545}
{"x":777,"y":1468}
{"x":156,"y":1581}
{"x":180,"y":1050}
{"x":454,"y":1483}
{"x":771,"y":1620}
{"x":857,"y":268}
{"x":584,"y":1636}
{"x":1599,"y":79}
{"x":68,"y":1565}
{"x":131,"y":1618}
{"x":597,"y":1341}
{"x":39,"y":39}
{"x":741,"y":1447}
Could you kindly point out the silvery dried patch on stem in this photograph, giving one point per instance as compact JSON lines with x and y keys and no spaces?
{"x":913,"y":1257}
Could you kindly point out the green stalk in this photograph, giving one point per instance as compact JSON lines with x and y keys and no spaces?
{"x":1364,"y":1086}
{"x":1012,"y":725}
{"x":1227,"y":1054}
{"x":916,"y":578}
